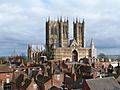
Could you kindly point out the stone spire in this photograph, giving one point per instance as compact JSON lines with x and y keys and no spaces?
{"x":60,"y":18}
{"x":83,"y":22}
{"x":76,"y":20}
{"x":29,"y":46}
{"x":93,"y":49}
{"x":67,"y":19}
{"x":92,"y":44}
{"x":48,"y":19}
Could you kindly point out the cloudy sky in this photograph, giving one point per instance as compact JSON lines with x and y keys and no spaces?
{"x":23,"y":22}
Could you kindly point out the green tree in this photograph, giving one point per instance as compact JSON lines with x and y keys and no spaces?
{"x":102,"y":56}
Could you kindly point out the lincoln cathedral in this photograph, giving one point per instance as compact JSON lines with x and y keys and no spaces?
{"x":60,"y":47}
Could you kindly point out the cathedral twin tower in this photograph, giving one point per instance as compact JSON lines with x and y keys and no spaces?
{"x":58,"y":45}
{"x":57,"y":33}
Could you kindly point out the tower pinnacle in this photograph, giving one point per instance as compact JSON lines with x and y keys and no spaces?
{"x":92,"y":44}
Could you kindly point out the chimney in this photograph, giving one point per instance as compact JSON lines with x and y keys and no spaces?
{"x":73,"y":69}
{"x":40,"y":71}
{"x":2,"y":86}
{"x":7,"y":84}
{"x":34,"y":84}
{"x":52,"y":80}
{"x":94,"y":75}
{"x":51,"y":67}
{"x":100,"y":76}
{"x":75,"y":77}
{"x":7,"y":78}
{"x":45,"y":71}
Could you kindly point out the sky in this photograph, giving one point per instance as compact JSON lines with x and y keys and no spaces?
{"x":22,"y":22}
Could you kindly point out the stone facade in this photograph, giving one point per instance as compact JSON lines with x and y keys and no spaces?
{"x":58,"y":45}
{"x":34,"y":52}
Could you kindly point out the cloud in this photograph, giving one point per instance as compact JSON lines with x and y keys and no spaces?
{"x":23,"y":22}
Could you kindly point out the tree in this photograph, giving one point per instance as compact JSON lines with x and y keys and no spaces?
{"x":102,"y":56}
{"x":118,"y":58}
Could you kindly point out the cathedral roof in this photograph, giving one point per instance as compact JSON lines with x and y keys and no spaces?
{"x":37,"y":48}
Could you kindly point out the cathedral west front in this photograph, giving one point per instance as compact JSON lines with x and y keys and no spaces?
{"x":60,"y":47}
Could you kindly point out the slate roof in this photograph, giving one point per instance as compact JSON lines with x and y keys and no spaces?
{"x":43,"y":79}
{"x":26,"y":84}
{"x":19,"y":80}
{"x":34,"y":73}
{"x":86,"y":69}
{"x":68,"y":80}
{"x":108,"y":83}
{"x":72,"y":83}
{"x":54,"y":88}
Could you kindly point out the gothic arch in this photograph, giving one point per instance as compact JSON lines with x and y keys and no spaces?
{"x":74,"y":55}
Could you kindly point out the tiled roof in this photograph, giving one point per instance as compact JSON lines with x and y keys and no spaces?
{"x":5,"y":69}
{"x":108,"y":83}
{"x":72,"y":83}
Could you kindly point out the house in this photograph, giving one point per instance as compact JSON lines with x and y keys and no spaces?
{"x":57,"y":79}
{"x":72,"y":82}
{"x":32,"y":85}
{"x":44,"y":82}
{"x":4,"y":70}
{"x":6,"y":73}
{"x":107,"y":83}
